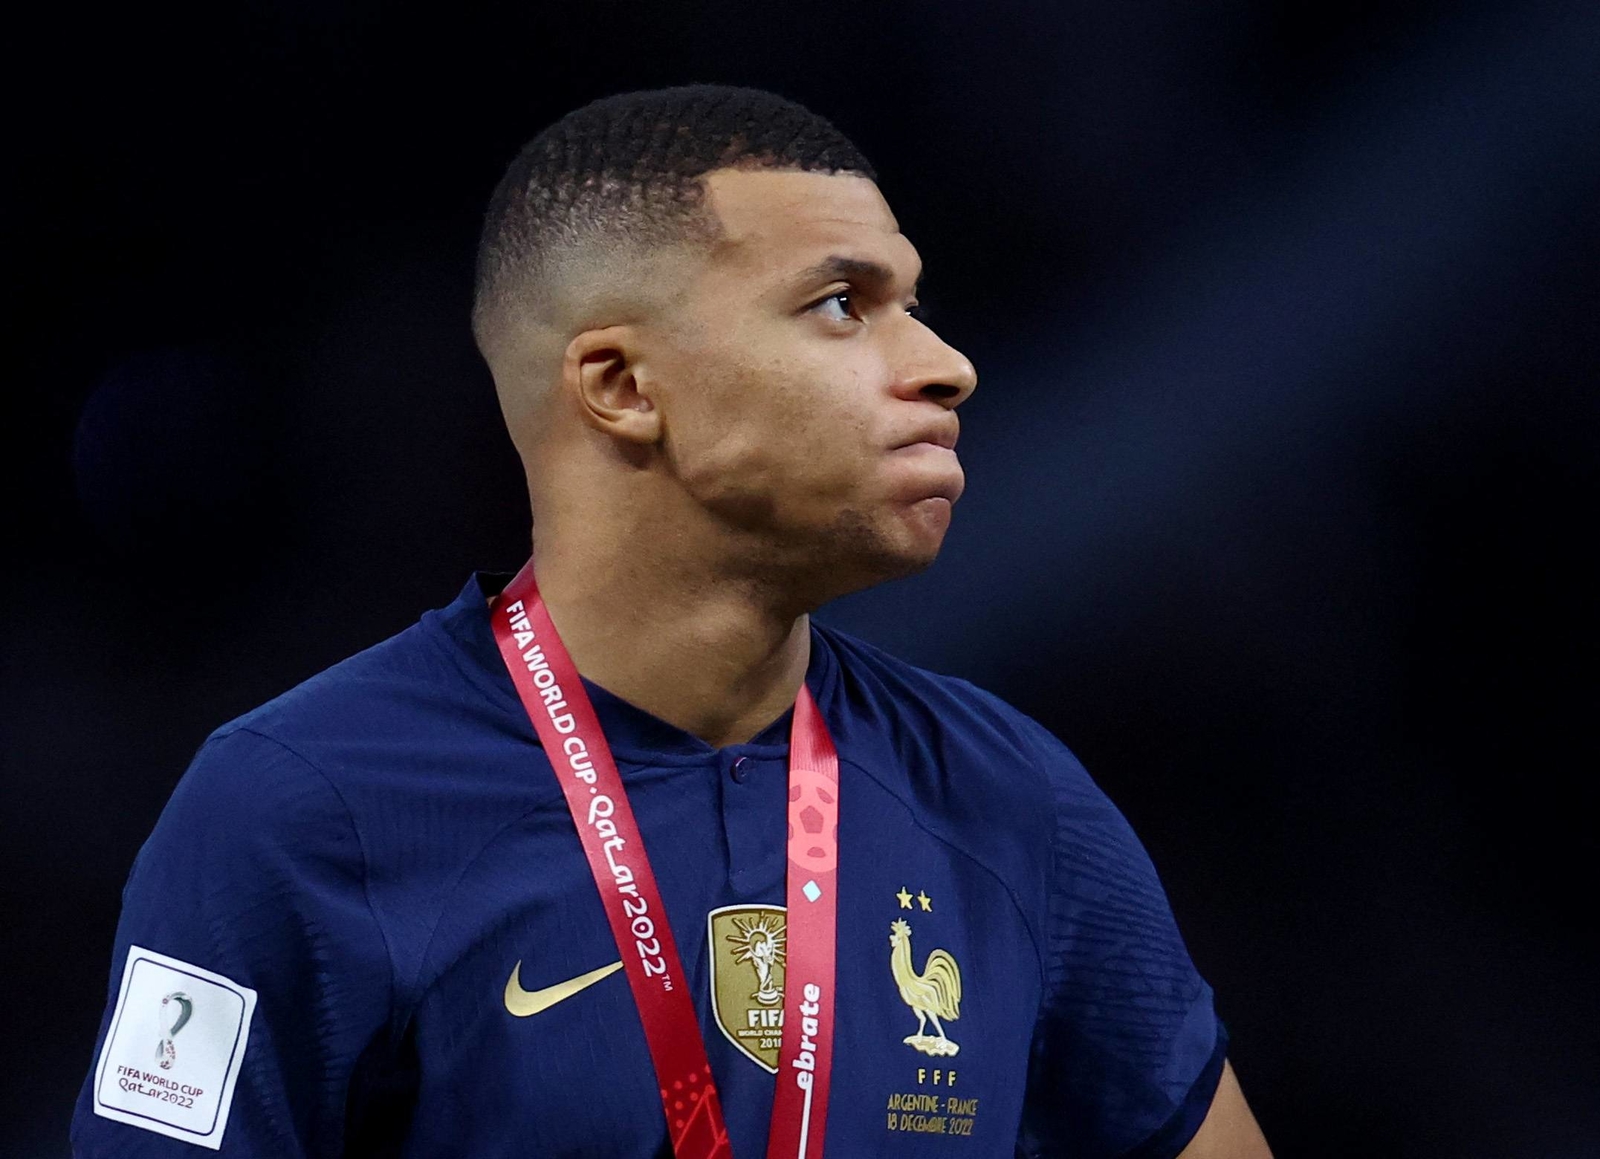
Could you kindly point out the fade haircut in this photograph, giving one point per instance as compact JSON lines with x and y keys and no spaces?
{"x":625,"y":171}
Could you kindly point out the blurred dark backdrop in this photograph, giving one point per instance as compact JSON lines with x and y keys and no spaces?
{"x":1281,"y":471}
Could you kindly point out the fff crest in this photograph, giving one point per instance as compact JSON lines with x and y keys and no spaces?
{"x":748,"y":956}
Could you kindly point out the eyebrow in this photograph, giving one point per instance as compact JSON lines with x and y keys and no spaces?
{"x":839,"y":268}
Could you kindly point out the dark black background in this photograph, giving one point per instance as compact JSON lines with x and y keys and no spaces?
{"x":1281,"y":469}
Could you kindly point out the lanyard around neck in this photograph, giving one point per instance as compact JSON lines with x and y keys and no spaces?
{"x":553,"y":695}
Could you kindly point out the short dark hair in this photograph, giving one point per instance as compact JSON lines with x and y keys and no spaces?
{"x":630,"y":166}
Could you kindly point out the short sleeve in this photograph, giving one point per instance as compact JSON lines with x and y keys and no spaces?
{"x":1128,"y":1049}
{"x":248,"y":973}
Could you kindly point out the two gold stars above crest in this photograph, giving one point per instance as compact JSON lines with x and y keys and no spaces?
{"x":923,"y":900}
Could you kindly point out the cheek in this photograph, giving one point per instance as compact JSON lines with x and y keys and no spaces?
{"x":720,"y":441}
{"x":768,"y":422}
{"x":817,"y":432}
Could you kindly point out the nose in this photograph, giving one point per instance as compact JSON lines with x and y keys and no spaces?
{"x":932,"y":369}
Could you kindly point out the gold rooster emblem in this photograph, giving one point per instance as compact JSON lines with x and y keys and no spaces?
{"x":934,"y":993}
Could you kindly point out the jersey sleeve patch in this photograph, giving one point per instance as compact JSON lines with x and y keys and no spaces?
{"x":174,"y":1048}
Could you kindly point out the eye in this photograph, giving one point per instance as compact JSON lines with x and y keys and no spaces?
{"x":836,"y":307}
{"x":918,"y":311}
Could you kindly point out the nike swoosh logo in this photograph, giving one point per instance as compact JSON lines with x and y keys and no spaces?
{"x":522,"y":1002}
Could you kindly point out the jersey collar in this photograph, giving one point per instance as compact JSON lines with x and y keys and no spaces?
{"x":634,"y":734}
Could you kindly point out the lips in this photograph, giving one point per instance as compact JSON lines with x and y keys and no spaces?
{"x":943,"y":435}
{"x":948,"y":489}
{"x":938,"y":474}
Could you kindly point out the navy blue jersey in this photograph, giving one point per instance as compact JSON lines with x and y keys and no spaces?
{"x":364,"y":924}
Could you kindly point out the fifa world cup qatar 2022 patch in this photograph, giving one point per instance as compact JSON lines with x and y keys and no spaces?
{"x":173,"y":1050}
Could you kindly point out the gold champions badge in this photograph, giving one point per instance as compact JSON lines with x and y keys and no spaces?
{"x":748,"y":955}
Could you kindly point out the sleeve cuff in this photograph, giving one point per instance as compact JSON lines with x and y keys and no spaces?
{"x":1175,"y":1134}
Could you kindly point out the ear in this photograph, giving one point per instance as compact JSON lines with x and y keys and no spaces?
{"x":600,"y":373}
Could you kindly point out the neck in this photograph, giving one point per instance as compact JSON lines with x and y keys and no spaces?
{"x":669,"y":631}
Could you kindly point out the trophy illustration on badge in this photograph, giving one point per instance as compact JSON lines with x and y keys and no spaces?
{"x":166,"y":1053}
{"x":760,"y":943}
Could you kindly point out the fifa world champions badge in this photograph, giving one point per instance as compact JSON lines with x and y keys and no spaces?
{"x":749,"y":957}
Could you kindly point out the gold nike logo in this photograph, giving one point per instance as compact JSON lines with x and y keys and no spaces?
{"x":522,"y":1002}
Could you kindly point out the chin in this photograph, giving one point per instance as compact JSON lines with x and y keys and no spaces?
{"x":922,"y":497}
{"x":862,"y":550}
{"x":923,"y":525}
{"x":928,"y":520}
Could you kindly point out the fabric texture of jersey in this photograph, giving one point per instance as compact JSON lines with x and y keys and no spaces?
{"x":374,"y":853}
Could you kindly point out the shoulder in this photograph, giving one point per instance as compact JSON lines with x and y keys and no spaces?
{"x":384,"y":726}
{"x":978,"y":773}
{"x":357,"y":797}
{"x":248,"y":810}
{"x":373,"y":693}
{"x":990,"y":779}
{"x":302,"y":774}
{"x":918,"y":711}
{"x":411,"y":733}
{"x":262,"y":764}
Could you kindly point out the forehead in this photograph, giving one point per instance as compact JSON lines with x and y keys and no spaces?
{"x":775,"y":222}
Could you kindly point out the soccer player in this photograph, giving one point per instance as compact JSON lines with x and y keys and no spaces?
{"x":747,"y":884}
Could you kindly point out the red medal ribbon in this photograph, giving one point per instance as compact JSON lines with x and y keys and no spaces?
{"x":805,"y":1061}
{"x":553,"y":695}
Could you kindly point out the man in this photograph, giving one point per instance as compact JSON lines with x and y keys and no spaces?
{"x":386,"y":912}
